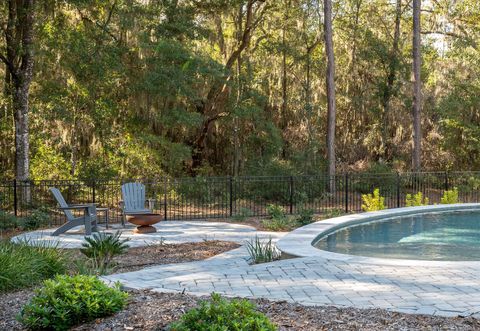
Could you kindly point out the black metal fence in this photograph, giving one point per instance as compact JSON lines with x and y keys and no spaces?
{"x":222,"y":197}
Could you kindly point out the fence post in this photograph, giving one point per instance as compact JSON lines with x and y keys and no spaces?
{"x":93,"y":191}
{"x":398,"y":190}
{"x":165,"y":180}
{"x":230,"y":181}
{"x":446,"y":180}
{"x":346,"y":192}
{"x":291,"y":194}
{"x":15,"y":200}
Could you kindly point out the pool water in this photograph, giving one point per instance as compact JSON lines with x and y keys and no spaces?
{"x":447,"y":236}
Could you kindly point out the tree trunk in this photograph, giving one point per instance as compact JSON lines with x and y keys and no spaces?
{"x":284,"y":116}
{"x":331,"y":111}
{"x":218,"y":94}
{"x":392,"y":74}
{"x":22,"y":146}
{"x":19,"y":63}
{"x":417,"y":87}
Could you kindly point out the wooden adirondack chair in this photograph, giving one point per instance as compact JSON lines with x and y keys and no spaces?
{"x":89,"y":218}
{"x":133,"y":200}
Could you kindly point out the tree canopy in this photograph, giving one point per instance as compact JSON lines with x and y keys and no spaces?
{"x":130,"y":88}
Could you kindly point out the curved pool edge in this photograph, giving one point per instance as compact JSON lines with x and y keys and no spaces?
{"x":299,"y":242}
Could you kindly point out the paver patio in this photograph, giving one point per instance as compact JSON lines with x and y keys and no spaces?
{"x":446,"y":291}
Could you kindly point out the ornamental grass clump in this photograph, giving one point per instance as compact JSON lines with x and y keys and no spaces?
{"x":262,"y":251}
{"x":67,"y":301}
{"x":22,"y":265}
{"x":373,"y":202}
{"x":221,"y":314}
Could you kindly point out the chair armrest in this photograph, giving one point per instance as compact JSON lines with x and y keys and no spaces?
{"x":151,"y":203}
{"x":75,"y":207}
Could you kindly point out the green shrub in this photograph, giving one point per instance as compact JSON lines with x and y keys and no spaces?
{"x":278,"y":220}
{"x":101,"y":248}
{"x":242,"y":214}
{"x":416,"y":200}
{"x":7,"y":221}
{"x":23,"y":265}
{"x":67,"y":301}
{"x":373,"y":202}
{"x":262,"y":251}
{"x":38,"y":218}
{"x":305,"y":216}
{"x":450,"y":197}
{"x":221,"y":314}
{"x":275,"y":211}
{"x":278,"y":224}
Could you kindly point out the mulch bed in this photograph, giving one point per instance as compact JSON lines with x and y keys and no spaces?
{"x":137,"y":258}
{"x":154,"y":311}
{"x":140,"y":257}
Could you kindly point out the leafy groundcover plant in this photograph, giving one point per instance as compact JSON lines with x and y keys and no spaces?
{"x":220,"y":314}
{"x":22,"y":265}
{"x":66,"y":301}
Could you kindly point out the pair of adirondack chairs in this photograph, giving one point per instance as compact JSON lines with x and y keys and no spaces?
{"x":133,"y":195}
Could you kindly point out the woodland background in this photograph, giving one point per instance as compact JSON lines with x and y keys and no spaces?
{"x":150,"y":88}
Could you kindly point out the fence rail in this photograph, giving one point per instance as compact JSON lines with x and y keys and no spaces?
{"x":222,"y":197}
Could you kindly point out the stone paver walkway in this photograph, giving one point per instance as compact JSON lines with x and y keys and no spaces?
{"x":313,"y":281}
{"x":443,"y":291}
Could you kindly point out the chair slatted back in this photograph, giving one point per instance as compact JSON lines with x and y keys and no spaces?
{"x":133,"y":195}
{"x":61,"y":201}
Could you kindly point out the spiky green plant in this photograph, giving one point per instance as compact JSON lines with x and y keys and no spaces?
{"x":262,"y":251}
{"x":102,"y":247}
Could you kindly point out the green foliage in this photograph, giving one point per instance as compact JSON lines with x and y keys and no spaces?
{"x":416,"y":200}
{"x":305,"y":216}
{"x":242,"y":214}
{"x":66,"y":301}
{"x":373,"y":202}
{"x":334,"y":212}
{"x":160,"y":85}
{"x":275,"y":211}
{"x":278,"y":224}
{"x":220,"y":314}
{"x":37,"y":218}
{"x":23,"y":265}
{"x":7,"y":221}
{"x":261,"y":251}
{"x":102,"y":247}
{"x":450,"y":197}
{"x":278,"y":220}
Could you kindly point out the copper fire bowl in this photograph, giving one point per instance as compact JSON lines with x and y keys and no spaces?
{"x":144,"y":222}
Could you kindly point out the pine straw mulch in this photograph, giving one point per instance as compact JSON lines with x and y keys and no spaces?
{"x":154,"y":311}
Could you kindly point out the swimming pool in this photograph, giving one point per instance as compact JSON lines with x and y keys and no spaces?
{"x":437,"y":236}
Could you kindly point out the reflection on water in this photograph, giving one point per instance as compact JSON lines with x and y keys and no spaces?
{"x":448,"y":236}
